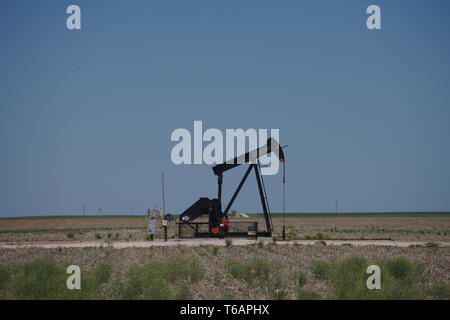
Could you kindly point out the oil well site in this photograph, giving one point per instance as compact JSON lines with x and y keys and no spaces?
{"x":207,"y":252}
{"x":227,"y":155}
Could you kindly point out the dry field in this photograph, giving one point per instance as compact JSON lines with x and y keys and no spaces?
{"x":218,"y":282}
{"x":406,"y":228}
{"x":256,"y":271}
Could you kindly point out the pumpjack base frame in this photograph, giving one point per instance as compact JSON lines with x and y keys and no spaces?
{"x":192,"y":230}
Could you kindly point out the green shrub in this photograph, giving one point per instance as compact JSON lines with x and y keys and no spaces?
{"x":260,"y":243}
{"x":98,"y":236}
{"x":228,"y":243}
{"x":215,"y":250}
{"x":277,"y":286}
{"x":308,"y":237}
{"x":255,"y":270}
{"x":400,"y":268}
{"x":291,"y":234}
{"x":5,"y":276}
{"x":45,"y":279}
{"x":70,"y":235}
{"x":319,"y":235}
{"x":348,"y":277}
{"x":432,"y":245}
{"x":301,"y":278}
{"x":102,"y":272}
{"x":162,"y":280}
{"x":320,"y":269}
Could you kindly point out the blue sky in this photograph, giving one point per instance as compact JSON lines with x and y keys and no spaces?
{"x":86,"y":116}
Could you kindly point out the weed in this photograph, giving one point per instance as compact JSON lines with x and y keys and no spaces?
{"x":255,"y":270}
{"x":102,"y":272}
{"x":400,"y":268}
{"x":45,"y":279}
{"x":5,"y":276}
{"x":228,"y":243}
{"x":291,"y":234}
{"x":98,"y":236}
{"x":162,"y":279}
{"x":70,"y":235}
{"x":320,"y":269}
{"x":319,"y":236}
{"x":301,"y":278}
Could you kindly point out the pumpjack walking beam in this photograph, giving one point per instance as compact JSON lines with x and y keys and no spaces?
{"x":252,"y":158}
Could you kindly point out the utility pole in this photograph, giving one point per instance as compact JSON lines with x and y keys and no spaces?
{"x":83,"y":209}
{"x":336,"y":207}
{"x":164,"y":208}
{"x":163,"y":195}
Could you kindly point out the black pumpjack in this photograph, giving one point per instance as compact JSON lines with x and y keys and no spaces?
{"x":218,"y":224}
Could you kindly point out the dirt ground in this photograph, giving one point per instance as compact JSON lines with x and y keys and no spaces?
{"x":430,"y":229}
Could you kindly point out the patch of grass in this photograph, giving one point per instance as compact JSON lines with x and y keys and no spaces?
{"x":400,"y":279}
{"x":308,"y":237}
{"x":300,"y":277}
{"x":162,"y":280}
{"x":400,"y":268}
{"x":291,"y":234}
{"x":45,"y":279}
{"x":5,"y":276}
{"x":228,"y":243}
{"x":255,"y":270}
{"x":260,"y":243}
{"x":277,"y":288}
{"x":319,"y":236}
{"x":439,"y":291}
{"x":432,"y":245}
{"x":215,"y":250}
{"x":321,"y":269}
{"x":102,"y":272}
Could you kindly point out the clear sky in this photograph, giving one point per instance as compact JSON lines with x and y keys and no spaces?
{"x":86,"y":116}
